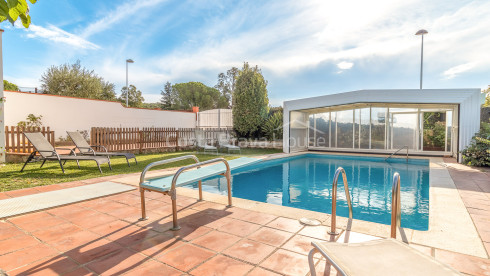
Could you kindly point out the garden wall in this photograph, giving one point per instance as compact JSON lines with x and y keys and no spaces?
{"x":63,"y":114}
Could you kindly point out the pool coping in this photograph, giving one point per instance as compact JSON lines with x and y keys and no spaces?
{"x":450,"y":225}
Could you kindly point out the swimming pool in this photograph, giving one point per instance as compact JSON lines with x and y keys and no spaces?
{"x":305,"y":182}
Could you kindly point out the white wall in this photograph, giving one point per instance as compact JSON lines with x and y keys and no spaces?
{"x":63,"y":114}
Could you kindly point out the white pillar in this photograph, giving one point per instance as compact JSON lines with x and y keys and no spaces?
{"x":2,"y":109}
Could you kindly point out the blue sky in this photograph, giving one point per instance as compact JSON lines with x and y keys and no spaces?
{"x":304,"y":48}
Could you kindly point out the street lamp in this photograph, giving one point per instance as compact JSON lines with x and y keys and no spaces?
{"x":127,"y":87}
{"x":421,"y":32}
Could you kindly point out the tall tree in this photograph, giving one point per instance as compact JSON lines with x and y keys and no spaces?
{"x":189,"y":94}
{"x":250,"y":101}
{"x":135,"y":96}
{"x":10,"y":86}
{"x":12,"y":10}
{"x":226,"y":84}
{"x":166,"y":100}
{"x":76,"y":81}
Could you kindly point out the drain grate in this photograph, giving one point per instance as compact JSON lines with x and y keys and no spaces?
{"x":309,"y":221}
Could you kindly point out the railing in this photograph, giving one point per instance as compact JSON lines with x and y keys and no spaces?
{"x":333,"y":223}
{"x":16,"y":142}
{"x":391,"y":155}
{"x":120,"y":139}
{"x":172,"y":191}
{"x":395,"y":205}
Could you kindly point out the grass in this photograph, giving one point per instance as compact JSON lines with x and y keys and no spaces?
{"x":12,"y":179}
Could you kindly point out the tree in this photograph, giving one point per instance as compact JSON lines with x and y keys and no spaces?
{"x":487,"y":96}
{"x":166,"y":100}
{"x":76,"y":81}
{"x":226,"y":84}
{"x":250,"y":101}
{"x":10,"y":86}
{"x":189,"y":94}
{"x":12,"y":10}
{"x":135,"y":96}
{"x":151,"y":105}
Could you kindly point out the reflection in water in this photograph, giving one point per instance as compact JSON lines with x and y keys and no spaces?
{"x":305,"y":182}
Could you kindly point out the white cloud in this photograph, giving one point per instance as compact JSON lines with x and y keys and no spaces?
{"x":345,"y":65}
{"x":56,"y":34}
{"x":456,"y":70}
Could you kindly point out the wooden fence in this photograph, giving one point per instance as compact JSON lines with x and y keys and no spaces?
{"x":136,"y":139}
{"x":16,"y":142}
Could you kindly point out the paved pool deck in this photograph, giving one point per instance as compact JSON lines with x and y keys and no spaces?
{"x":104,"y":236}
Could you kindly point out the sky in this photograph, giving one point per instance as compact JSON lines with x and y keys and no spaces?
{"x":304,"y":48}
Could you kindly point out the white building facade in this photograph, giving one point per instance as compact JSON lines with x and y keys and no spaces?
{"x":436,"y":122}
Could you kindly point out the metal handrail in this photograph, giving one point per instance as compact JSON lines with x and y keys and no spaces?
{"x":391,"y":155}
{"x":395,"y":205}
{"x":333,"y":223}
{"x":162,"y":162}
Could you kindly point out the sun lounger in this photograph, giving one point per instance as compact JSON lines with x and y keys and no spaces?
{"x":48,"y":152}
{"x":378,"y":257}
{"x":86,"y":149}
{"x":224,"y":142}
{"x":167,"y":185}
{"x":201,"y":143}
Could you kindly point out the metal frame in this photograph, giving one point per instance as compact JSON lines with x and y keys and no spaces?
{"x":391,"y":155}
{"x":395,"y":205}
{"x":329,"y":260}
{"x":333,"y":223}
{"x":172,"y":192}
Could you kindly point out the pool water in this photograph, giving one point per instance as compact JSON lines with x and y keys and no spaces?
{"x":305,"y":182}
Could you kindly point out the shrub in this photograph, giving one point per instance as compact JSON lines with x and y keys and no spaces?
{"x":478,"y":152}
{"x":31,"y":121}
{"x":272,"y":129}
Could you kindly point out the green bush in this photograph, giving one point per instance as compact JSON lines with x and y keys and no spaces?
{"x":478,"y":152}
{"x":272,"y":129}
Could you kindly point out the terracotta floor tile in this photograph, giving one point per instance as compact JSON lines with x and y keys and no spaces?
{"x":222,"y":266}
{"x":66,"y":211}
{"x":209,"y":221}
{"x":249,"y":251}
{"x":300,"y":244}
{"x":17,"y":243}
{"x":22,"y":192}
{"x":93,"y":220}
{"x":81,"y":271}
{"x":122,"y":233}
{"x":189,"y":232}
{"x":126,"y":198}
{"x":424,"y":249}
{"x":27,"y":218}
{"x":239,"y":228}
{"x":4,"y":196}
{"x":9,"y":231}
{"x":286,"y":262}
{"x":26,"y":256}
{"x":270,"y":236}
{"x":110,"y":228}
{"x":317,"y":232}
{"x":237,"y":212}
{"x":74,"y":241}
{"x":487,"y":247}
{"x":320,"y":268}
{"x":120,"y":262}
{"x":40,"y":223}
{"x":186,"y":257}
{"x":216,"y":241}
{"x":93,"y":250}
{"x":57,"y":265}
{"x":464,"y":263}
{"x":154,"y":268}
{"x":286,"y":224}
{"x":56,"y":232}
{"x":258,"y":271}
{"x":48,"y":188}
{"x":109,"y":207}
{"x":157,"y":245}
{"x":127,"y":213}
{"x":259,"y":218}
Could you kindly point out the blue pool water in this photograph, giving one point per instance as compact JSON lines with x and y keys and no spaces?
{"x":305,"y":182}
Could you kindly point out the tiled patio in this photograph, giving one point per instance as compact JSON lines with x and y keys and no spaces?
{"x":104,"y":236}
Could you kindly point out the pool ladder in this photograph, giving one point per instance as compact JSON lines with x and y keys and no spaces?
{"x":395,"y":202}
{"x":391,"y":155}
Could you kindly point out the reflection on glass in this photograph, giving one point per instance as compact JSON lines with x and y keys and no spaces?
{"x":449,"y":126}
{"x":311,"y":131}
{"x":378,"y":115}
{"x":403,"y":130}
{"x":357,"y":123}
{"x":434,"y":131}
{"x":344,"y":129}
{"x":333,"y":129}
{"x":364,"y":113}
{"x":322,"y":129}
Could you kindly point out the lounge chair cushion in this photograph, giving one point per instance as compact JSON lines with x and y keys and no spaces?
{"x":382,"y":257}
{"x":164,"y":184}
{"x":128,"y":155}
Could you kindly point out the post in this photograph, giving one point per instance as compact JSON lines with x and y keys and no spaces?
{"x":127,"y":88}
{"x":421,"y":61}
{"x":2,"y":107}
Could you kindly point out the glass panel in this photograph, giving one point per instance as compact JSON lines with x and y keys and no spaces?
{"x":403,"y":131}
{"x":345,"y":129}
{"x":322,"y":129}
{"x":434,"y":131}
{"x":333,"y":129}
{"x":311,"y":131}
{"x":378,"y":115}
{"x":364,"y":128}
{"x":357,"y":123}
{"x":449,"y":129}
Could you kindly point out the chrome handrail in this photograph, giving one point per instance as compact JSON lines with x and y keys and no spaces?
{"x":162,"y":162}
{"x":333,"y":223}
{"x":395,"y":205}
{"x":391,"y":155}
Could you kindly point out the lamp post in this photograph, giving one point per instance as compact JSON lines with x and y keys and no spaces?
{"x":127,"y":87}
{"x":421,"y":32}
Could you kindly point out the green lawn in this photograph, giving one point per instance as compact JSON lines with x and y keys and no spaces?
{"x":12,"y":179}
